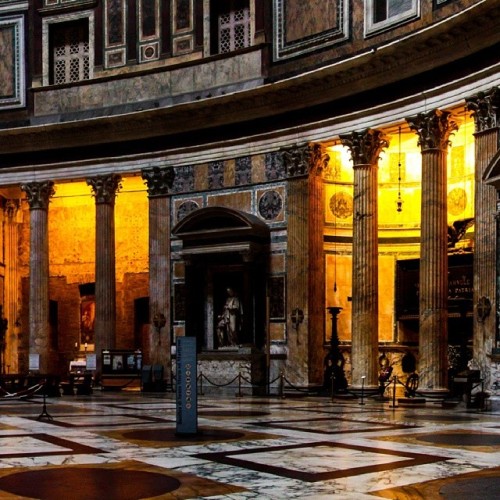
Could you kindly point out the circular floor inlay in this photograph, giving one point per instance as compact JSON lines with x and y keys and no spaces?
{"x":82,"y":483}
{"x":170,"y":435}
{"x":462,"y":439}
{"x":481,"y":488}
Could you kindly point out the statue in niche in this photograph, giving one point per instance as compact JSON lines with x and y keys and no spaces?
{"x":230,"y":320}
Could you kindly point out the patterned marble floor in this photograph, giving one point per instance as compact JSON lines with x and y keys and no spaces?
{"x":120,"y":446}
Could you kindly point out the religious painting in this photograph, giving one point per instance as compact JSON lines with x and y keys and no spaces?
{"x":87,"y":320}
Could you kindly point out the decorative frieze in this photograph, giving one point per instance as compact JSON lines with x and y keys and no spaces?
{"x":243,"y":171}
{"x":274,"y":166}
{"x":184,"y":179}
{"x":216,"y":175}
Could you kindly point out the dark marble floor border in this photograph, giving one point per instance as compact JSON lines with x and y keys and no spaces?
{"x":231,"y":458}
{"x":73,"y":447}
{"x":290,"y":425}
{"x":107,"y":420}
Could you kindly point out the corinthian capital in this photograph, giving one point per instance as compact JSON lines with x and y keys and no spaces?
{"x":485,"y":109}
{"x":433,"y":129}
{"x":159,"y":181}
{"x":305,"y":159}
{"x":105,"y":187}
{"x":38,"y":194}
{"x":365,"y":146}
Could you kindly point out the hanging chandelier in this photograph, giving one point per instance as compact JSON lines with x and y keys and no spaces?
{"x":399,"y":201}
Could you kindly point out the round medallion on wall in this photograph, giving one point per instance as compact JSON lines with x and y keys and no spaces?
{"x":270,"y":205}
{"x":341,"y":205}
{"x":185,"y":208}
{"x":457,"y":201}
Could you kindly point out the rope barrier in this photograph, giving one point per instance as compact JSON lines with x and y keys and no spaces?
{"x":30,"y":391}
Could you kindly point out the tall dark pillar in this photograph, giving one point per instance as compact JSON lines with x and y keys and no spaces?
{"x":38,"y":195}
{"x":365,"y":150}
{"x":105,"y":188}
{"x":433,"y":129}
{"x":485,"y":108}
{"x":305,"y":262}
{"x":159,"y":182}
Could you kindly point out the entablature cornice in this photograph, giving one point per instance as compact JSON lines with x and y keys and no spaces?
{"x":408,"y":57}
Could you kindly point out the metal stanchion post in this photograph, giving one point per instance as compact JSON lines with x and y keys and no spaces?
{"x":201,"y":383}
{"x":282,"y":385}
{"x":362,"y":390}
{"x":333,"y":385}
{"x":239,"y":384}
{"x":395,"y":379}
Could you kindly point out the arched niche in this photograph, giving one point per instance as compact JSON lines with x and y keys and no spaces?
{"x":223,"y":249}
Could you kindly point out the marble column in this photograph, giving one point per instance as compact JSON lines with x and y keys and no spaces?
{"x":105,"y":188}
{"x":485,"y":109}
{"x":38,"y":195}
{"x":433,"y":129}
{"x":305,"y":262}
{"x":365,"y":148}
{"x":12,"y":304}
{"x":159,"y":182}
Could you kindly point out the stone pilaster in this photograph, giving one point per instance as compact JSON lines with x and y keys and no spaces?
{"x":12,"y":284}
{"x":105,"y":188}
{"x":305,"y":262}
{"x":38,"y":195}
{"x":159,"y":182}
{"x":433,"y":129}
{"x":365,"y":149}
{"x":485,"y":108}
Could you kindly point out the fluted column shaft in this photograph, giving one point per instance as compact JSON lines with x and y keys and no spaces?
{"x":365,"y":149}
{"x":105,"y":188}
{"x":38,"y":195}
{"x":159,"y":182}
{"x":485,"y":110}
{"x":434,"y":129}
{"x":305,"y":261}
{"x":12,"y":295}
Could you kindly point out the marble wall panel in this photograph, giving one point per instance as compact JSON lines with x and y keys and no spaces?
{"x":239,"y":201}
{"x":303,"y":27}
{"x":305,"y":19}
{"x":7,"y":58}
{"x":229,"y":173}
{"x":258,"y":168}
{"x":12,"y":77}
{"x":147,"y":87}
